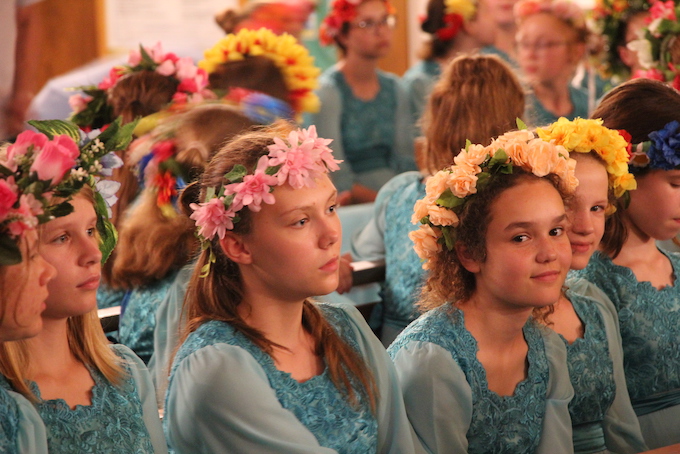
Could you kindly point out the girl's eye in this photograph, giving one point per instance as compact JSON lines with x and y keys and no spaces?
{"x":598,"y":208}
{"x":557,"y":231}
{"x":520,"y":238}
{"x":332,"y":208}
{"x":301,"y":222}
{"x":60,"y":239}
{"x":91,"y":231}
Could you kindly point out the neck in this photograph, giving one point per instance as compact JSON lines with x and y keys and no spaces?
{"x":49,"y":351}
{"x":505,"y":40}
{"x":356,"y":67}
{"x":554,"y":95}
{"x":637,"y":245}
{"x":490,"y":324}
{"x":280,"y":321}
{"x":463,"y":43}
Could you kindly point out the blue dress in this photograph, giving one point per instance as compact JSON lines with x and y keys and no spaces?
{"x":649,"y":321}
{"x":448,"y":400}
{"x":138,"y":322}
{"x":226,"y":395}
{"x":386,"y":237}
{"x":419,"y":80}
{"x":602,"y":416}
{"x":541,"y":117}
{"x":374,"y":138}
{"x":120,"y":419}
{"x":21,"y":428}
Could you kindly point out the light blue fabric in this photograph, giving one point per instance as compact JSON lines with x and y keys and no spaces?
{"x":121,"y":419}
{"x":137,"y":325}
{"x":450,"y":405}
{"x":109,"y":297}
{"x":225,"y":395}
{"x":601,"y":413}
{"x":374,"y":138}
{"x":21,"y":428}
{"x":418,"y":81}
{"x":649,"y":321}
{"x":541,"y":117}
{"x":386,"y":236}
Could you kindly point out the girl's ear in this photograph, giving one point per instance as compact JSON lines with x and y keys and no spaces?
{"x":466,"y":259}
{"x":235,"y":249}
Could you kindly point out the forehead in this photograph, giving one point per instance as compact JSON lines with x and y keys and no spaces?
{"x":544,"y":24}
{"x":288,"y":198}
{"x":371,"y":8}
{"x":530,"y":201}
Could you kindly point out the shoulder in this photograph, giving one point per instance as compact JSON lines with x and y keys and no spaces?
{"x":330,"y":77}
{"x":397,"y":183}
{"x":437,"y":326}
{"x":585,"y":291}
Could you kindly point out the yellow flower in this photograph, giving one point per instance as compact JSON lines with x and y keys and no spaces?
{"x":465,"y":8}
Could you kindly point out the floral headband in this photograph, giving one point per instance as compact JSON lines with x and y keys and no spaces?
{"x":342,"y":11}
{"x":299,"y":161}
{"x":448,"y":190}
{"x":565,"y":10}
{"x":661,"y":151}
{"x":653,"y":47}
{"x":585,"y":136}
{"x":456,"y":13}
{"x":292,"y":59}
{"x":50,"y":163}
{"x":92,"y":110}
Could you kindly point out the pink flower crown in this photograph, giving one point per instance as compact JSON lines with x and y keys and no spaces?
{"x":341,"y":11}
{"x":448,"y":190}
{"x":565,"y":10}
{"x":298,"y":162}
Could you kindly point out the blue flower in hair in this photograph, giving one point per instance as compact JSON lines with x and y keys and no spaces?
{"x":664,"y":152}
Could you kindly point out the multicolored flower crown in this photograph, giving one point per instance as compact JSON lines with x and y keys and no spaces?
{"x":565,"y":10}
{"x":299,"y":161}
{"x":41,"y":166}
{"x":661,"y":151}
{"x":653,"y":47}
{"x":585,"y":136}
{"x":342,"y":11}
{"x":448,"y":190}
{"x":292,"y":59}
{"x":457,"y":12}
{"x":92,"y":110}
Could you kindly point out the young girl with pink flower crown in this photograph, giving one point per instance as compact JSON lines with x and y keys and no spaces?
{"x":89,"y":395}
{"x":261,"y":368}
{"x":478,"y":373}
{"x":638,"y":277}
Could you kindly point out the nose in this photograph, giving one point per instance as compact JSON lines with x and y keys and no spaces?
{"x":332,"y":232}
{"x":89,"y":252}
{"x":547,"y":251}
{"x":49,"y":272}
{"x":581,"y":223}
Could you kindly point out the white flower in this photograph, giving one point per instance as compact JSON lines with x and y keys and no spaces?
{"x":643,"y":49}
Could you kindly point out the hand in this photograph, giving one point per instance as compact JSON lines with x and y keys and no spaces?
{"x":345,"y":283}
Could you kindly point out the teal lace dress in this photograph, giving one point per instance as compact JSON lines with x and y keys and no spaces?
{"x":418,"y":81}
{"x":120,"y":420}
{"x":448,"y":400}
{"x":386,"y":237}
{"x":601,"y":413}
{"x":649,"y":321}
{"x":226,"y":395}
{"x":138,"y":322}
{"x":374,"y":138}
{"x":539,"y":116}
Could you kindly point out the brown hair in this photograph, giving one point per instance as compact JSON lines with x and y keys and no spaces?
{"x":85,"y":337}
{"x":217,"y":296}
{"x":254,"y":73}
{"x":12,"y":291}
{"x":476,"y":98}
{"x":151,"y":244}
{"x":639,"y":106}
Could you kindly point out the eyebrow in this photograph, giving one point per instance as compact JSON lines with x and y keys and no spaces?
{"x":526,"y":225}
{"x":306,"y":207}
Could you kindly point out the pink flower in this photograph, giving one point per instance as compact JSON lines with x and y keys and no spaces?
{"x":663,"y":10}
{"x":108,"y":82}
{"x":8,"y":196}
{"x":212,"y":218}
{"x":78,"y":102}
{"x":321,"y":146}
{"x":186,"y":68}
{"x":24,"y":141}
{"x":254,"y":189}
{"x":653,"y":74}
{"x":55,"y":159}
{"x":26,"y":214}
{"x":167,"y":68}
{"x":134,"y":57}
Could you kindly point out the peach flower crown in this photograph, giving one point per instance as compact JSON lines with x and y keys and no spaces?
{"x":297,"y":161}
{"x":565,"y":10}
{"x":448,"y":190}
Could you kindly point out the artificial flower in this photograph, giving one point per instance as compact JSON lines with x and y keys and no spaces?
{"x":212,"y":218}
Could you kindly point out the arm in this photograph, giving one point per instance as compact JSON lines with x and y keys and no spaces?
{"x":437,"y":396}
{"x":404,"y":134}
{"x":219,"y":400}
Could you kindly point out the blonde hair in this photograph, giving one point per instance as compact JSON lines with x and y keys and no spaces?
{"x":86,"y":340}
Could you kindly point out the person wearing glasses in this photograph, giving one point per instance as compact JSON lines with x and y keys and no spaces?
{"x":364,"y":110}
{"x":551,"y":41}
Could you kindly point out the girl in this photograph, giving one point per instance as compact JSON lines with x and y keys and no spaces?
{"x":639,"y":278}
{"x":91,"y":396}
{"x":477,"y":373}
{"x":261,"y":368}
{"x":551,"y":37}
{"x":464,"y":95}
{"x":364,"y":110}
{"x":602,"y":416}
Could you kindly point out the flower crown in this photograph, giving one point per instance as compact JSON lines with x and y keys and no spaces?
{"x":342,"y":11}
{"x":661,"y":151}
{"x":585,"y":136}
{"x":448,"y":190}
{"x":653,"y":47}
{"x":456,"y":13}
{"x":292,"y":59}
{"x":93,"y":110}
{"x":50,"y":163}
{"x":299,"y":161}
{"x":259,"y":107}
{"x":565,"y":10}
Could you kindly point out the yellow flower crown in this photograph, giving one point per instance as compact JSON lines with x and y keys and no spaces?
{"x":294,"y":61}
{"x":585,"y":136}
{"x":466,"y":8}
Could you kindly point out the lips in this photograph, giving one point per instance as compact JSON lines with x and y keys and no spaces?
{"x":91,"y":283}
{"x":580,"y":248}
{"x":547,"y":276}
{"x":331,"y":265}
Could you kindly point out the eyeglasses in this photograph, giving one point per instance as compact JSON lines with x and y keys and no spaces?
{"x":540,"y":46}
{"x":370,"y":24}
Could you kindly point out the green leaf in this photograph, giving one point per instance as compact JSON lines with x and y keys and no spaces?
{"x":10,"y":254}
{"x":53,"y":128}
{"x":482,"y":180}
{"x":467,"y":144}
{"x":62,"y":209}
{"x":173,"y":167}
{"x":520,"y":124}
{"x":147,"y":62}
{"x":500,"y":157}
{"x":107,"y":231}
{"x":5,"y":171}
{"x":448,"y":200}
{"x":209,"y":194}
{"x":449,"y":236}
{"x":272,"y":170}
{"x":236,"y":174}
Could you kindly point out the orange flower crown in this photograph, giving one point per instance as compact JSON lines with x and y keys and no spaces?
{"x":342,"y":11}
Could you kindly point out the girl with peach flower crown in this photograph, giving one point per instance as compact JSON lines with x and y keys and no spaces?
{"x":551,"y":41}
{"x":364,"y":110}
{"x":638,"y":277}
{"x":478,"y":373}
{"x":261,"y":368}
{"x":89,"y":395}
{"x":602,"y":416}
